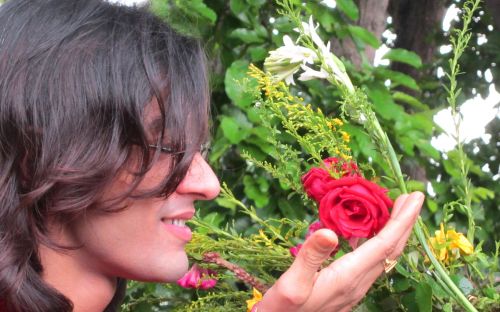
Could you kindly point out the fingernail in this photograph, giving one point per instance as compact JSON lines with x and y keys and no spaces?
{"x":419,"y":194}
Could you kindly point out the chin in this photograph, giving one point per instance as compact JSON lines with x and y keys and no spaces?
{"x":172,"y":269}
{"x":161,"y":269}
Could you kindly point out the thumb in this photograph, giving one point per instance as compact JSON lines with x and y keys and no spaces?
{"x":296,"y":284}
{"x":314,"y":252}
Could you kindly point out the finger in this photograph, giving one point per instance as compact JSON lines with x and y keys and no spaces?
{"x":313,"y":253}
{"x":391,"y":240}
{"x":398,"y":204}
{"x":294,"y":287}
{"x":406,"y":219}
{"x":398,"y":207}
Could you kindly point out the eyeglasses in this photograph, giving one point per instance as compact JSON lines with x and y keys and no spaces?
{"x":204,"y":149}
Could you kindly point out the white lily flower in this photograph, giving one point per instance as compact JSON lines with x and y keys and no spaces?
{"x":310,"y":73}
{"x":334,"y":63}
{"x":338,"y":69}
{"x":310,"y":30}
{"x":286,"y":60}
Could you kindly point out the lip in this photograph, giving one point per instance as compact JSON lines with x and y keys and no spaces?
{"x":184,"y":215}
{"x":181,"y":232}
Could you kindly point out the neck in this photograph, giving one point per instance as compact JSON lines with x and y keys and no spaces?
{"x":72,"y":276}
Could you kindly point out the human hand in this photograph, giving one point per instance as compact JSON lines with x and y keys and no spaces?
{"x":344,"y":282}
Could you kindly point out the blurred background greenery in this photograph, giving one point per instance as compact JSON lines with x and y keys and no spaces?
{"x":397,"y":50}
{"x":408,"y":41}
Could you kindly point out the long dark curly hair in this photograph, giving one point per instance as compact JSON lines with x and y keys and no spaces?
{"x":75,"y":78}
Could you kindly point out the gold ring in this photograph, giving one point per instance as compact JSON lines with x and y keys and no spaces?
{"x":389,"y":265}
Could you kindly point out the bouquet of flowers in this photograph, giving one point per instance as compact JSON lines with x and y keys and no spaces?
{"x":311,"y":158}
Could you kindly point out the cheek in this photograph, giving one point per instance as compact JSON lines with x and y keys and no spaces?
{"x":132,"y":244}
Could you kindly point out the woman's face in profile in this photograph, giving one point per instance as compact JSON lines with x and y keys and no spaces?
{"x":146,"y":240}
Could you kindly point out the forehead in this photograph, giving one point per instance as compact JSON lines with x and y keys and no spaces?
{"x":192,"y":127}
{"x":152,"y":117}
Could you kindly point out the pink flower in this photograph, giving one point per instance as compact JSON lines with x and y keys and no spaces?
{"x":295,"y":250}
{"x":314,"y":227}
{"x":198,"y":277}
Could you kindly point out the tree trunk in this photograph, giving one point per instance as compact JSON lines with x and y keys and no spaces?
{"x":415,"y":24}
{"x":373,"y":16}
{"x":493,"y":7}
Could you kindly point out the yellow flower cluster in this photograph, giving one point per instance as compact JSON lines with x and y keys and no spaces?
{"x":301,"y":115}
{"x":257,"y":297}
{"x":334,"y":122}
{"x":448,"y":246}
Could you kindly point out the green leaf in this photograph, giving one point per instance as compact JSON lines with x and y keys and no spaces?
{"x":257,"y":53}
{"x":398,"y":78}
{"x":431,"y":204}
{"x":219,"y":147}
{"x":383,"y":103}
{"x":214,"y":218}
{"x":481,"y":193}
{"x":248,"y":35}
{"x":419,"y":300}
{"x":234,"y":131}
{"x":408,"y":99}
{"x":364,"y":35}
{"x":201,"y":8}
{"x":254,"y":191}
{"x":414,"y":185}
{"x":325,"y":18}
{"x":448,"y":307}
{"x":226,"y":203}
{"x":256,"y":3}
{"x":143,"y":307}
{"x":401,"y":283}
{"x":437,"y":289}
{"x":423,"y":297}
{"x":238,"y":84}
{"x":404,"y":56}
{"x":349,"y":8}
{"x":237,"y":6}
{"x":290,"y":211}
{"x":463,"y":283}
{"x":427,"y":149}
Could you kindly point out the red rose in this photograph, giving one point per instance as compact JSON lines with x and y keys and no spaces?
{"x":315,"y":180}
{"x":351,"y":206}
{"x":354,"y":207}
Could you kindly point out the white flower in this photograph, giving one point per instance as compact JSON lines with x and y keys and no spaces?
{"x":310,"y":73}
{"x":338,"y":69}
{"x":286,"y":60}
{"x":310,"y":31}
{"x":333,"y":63}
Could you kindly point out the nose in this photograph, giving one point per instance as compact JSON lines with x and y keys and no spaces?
{"x":200,"y":180}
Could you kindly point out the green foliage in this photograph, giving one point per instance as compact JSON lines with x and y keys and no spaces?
{"x":263,"y":253}
{"x":403,"y":56}
{"x":349,"y":8}
{"x":240,"y":32}
{"x":188,"y":17}
{"x":316,"y":135}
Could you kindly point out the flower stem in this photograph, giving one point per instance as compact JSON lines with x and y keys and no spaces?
{"x":239,"y":272}
{"x":419,"y":225}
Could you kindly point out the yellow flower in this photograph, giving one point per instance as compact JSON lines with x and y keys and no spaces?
{"x":257,"y":296}
{"x":448,"y":246}
{"x":458,"y":240}
{"x":338,"y":122}
{"x":345,"y":136}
